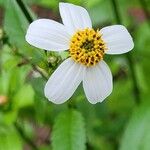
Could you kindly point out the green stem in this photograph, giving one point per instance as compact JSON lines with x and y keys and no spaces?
{"x":24,"y":137}
{"x":26,"y":13}
{"x":129,"y":57}
{"x":36,"y":68}
{"x":145,"y":9}
{"x":116,"y":11}
{"x":30,"y":20}
{"x":136,"y":90}
{"x":25,"y":10}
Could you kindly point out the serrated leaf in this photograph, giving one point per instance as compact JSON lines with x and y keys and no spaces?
{"x":69,"y":131}
{"x":137,"y":134}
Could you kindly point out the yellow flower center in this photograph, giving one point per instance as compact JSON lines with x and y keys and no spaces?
{"x":87,"y":47}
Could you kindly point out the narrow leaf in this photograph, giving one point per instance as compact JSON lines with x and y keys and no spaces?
{"x":15,"y":23}
{"x":137,"y":134}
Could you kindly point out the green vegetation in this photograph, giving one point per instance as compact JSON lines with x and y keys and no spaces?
{"x":29,"y":121}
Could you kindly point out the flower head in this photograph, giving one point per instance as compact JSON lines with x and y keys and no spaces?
{"x":86,"y":47}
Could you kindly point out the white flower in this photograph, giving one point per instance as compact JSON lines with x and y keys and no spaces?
{"x":86,"y":48}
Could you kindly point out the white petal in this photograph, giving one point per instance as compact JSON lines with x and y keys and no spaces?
{"x":74,"y":17}
{"x":48,"y":34}
{"x":64,"y":81}
{"x":97,"y":82}
{"x":117,"y":38}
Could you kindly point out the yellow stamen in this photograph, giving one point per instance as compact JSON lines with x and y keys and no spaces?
{"x":87,"y":47}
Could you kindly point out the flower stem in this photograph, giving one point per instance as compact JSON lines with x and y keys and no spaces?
{"x":35,"y":68}
{"x":116,"y":11}
{"x":30,"y":20}
{"x":129,"y":57}
{"x":24,"y":137}
{"x":145,"y":10}
{"x":25,"y":10}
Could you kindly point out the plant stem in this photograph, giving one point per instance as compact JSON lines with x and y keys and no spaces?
{"x":136,"y":90}
{"x":36,"y":68}
{"x":25,"y":10}
{"x":24,"y":137}
{"x":30,"y":20}
{"x":129,"y":57}
{"x":145,"y":9}
{"x":26,"y":13}
{"x":116,"y":11}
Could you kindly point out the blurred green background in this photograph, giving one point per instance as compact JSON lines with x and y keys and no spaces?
{"x":29,"y":122}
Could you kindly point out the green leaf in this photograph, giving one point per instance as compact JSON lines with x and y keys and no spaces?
{"x":76,"y":2}
{"x":53,"y":4}
{"x":137,"y":134}
{"x":12,"y":77}
{"x":41,"y":103}
{"x":15,"y":24}
{"x":9,"y":139}
{"x":1,"y":2}
{"x":69,"y":132}
{"x":8,"y":118}
{"x":98,"y":12}
{"x":24,"y":97}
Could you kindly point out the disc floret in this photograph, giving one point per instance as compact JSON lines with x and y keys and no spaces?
{"x":87,"y":47}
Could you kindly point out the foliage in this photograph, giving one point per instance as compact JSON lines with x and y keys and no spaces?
{"x":9,"y":139}
{"x":69,"y":131}
{"x":137,"y":133}
{"x":27,"y":119}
